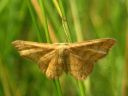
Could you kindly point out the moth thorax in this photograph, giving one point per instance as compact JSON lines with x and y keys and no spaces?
{"x":61,"y":51}
{"x":62,"y":54}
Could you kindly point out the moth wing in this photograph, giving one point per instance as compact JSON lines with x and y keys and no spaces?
{"x":80,"y":68}
{"x":45,"y":60}
{"x":54,"y":68}
{"x":83,"y":56}
{"x":32,"y":50}
{"x":98,"y":45}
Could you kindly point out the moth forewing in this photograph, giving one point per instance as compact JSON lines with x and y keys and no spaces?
{"x":99,"y":45}
{"x":25,"y":45}
{"x":32,"y":50}
{"x":94,"y":43}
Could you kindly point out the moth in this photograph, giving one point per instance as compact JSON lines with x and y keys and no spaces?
{"x":77,"y":59}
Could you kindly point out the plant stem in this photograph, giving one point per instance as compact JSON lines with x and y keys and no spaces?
{"x":34,"y":22}
{"x":45,"y":20}
{"x":64,"y":22}
{"x":76,"y":20}
{"x":81,"y":88}
{"x":56,"y":82}
{"x":58,"y":87}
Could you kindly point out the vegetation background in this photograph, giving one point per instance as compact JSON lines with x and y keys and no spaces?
{"x":63,"y":21}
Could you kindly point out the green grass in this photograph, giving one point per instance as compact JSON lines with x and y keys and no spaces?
{"x":63,"y":21}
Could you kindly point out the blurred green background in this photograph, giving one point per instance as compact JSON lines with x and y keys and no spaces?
{"x":63,"y":21}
